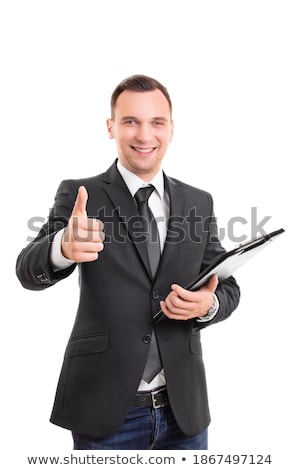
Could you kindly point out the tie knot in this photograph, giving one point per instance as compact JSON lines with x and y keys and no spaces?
{"x":143,"y":194}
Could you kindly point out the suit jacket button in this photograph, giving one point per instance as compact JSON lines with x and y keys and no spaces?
{"x":155,"y":294}
{"x":146,"y":339}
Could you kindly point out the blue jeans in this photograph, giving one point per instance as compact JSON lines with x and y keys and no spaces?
{"x":145,"y":428}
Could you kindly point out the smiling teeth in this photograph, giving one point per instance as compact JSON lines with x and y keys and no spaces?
{"x":144,"y":150}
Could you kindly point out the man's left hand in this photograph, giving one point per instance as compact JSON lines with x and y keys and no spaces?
{"x":182,"y":304}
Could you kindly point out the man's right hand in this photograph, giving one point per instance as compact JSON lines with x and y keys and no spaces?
{"x":83,"y":237}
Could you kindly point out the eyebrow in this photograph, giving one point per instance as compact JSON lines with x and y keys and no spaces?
{"x":155,"y":118}
{"x":125,"y":118}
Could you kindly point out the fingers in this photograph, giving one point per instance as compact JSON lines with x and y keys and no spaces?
{"x":182,"y":304}
{"x":87,"y":229}
{"x":184,"y":294}
{"x":175,"y":313}
{"x":83,"y":238}
{"x":189,"y":295}
{"x":179,"y":304}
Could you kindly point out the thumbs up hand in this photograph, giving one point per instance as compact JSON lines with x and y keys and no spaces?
{"x":83,"y":237}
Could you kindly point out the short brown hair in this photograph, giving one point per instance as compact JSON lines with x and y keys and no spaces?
{"x":140,"y":83}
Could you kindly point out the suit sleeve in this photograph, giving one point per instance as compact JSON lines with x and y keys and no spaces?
{"x":228,"y":291}
{"x":34,"y":269}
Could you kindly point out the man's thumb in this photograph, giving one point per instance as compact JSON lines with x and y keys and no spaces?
{"x":79,"y":208}
{"x":213,"y":283}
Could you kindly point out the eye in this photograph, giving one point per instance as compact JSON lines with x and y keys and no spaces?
{"x":158,"y":123}
{"x":130,"y":122}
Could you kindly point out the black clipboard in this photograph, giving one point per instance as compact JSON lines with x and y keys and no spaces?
{"x":227,"y":263}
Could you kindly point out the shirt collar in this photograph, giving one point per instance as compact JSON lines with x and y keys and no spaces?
{"x":133,"y":182}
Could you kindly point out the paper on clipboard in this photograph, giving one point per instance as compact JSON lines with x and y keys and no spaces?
{"x":226,"y":264}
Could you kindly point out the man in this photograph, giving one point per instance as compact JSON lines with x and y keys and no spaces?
{"x":104,"y":394}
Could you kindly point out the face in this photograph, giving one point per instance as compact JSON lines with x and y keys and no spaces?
{"x":143,"y":128}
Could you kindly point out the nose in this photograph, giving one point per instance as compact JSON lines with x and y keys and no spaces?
{"x":144,"y":133}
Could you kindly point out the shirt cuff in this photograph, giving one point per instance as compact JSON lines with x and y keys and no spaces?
{"x":58,"y":260}
{"x":212,"y":311}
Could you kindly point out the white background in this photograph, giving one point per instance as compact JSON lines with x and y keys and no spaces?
{"x":232,"y":69}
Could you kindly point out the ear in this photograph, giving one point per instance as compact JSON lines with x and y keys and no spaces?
{"x":110,"y":128}
{"x":172,"y":131}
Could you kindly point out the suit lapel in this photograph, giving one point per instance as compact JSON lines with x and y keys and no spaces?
{"x":126,"y":209}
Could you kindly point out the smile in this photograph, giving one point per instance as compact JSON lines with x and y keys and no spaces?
{"x":143,"y":150}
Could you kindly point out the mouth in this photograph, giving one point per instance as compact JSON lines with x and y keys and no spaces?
{"x":145,"y":151}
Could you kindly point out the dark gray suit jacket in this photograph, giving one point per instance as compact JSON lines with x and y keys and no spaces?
{"x":108,"y":346}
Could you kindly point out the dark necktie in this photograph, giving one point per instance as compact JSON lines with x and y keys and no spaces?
{"x":153,"y":365}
